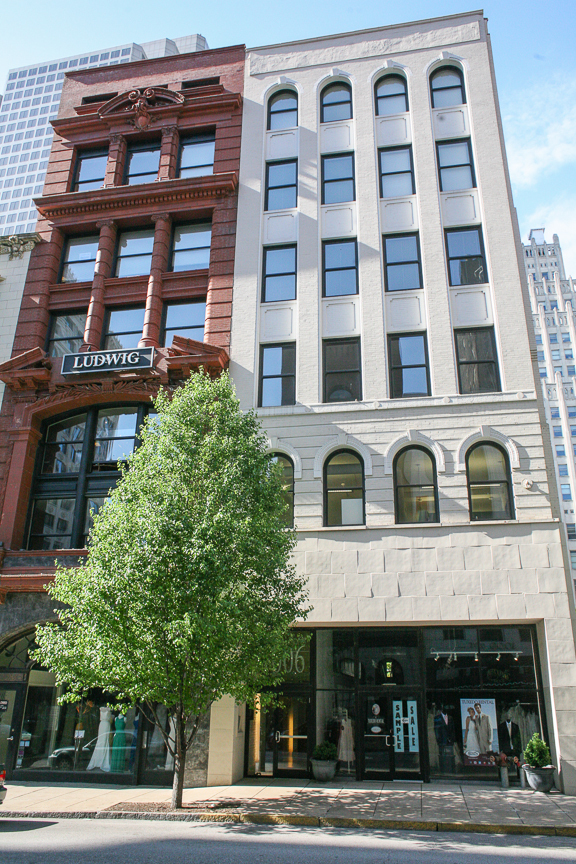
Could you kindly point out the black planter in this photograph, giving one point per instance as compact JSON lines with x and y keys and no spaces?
{"x":540,"y":779}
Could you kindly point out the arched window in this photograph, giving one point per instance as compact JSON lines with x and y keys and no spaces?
{"x":344,"y":489}
{"x":415,"y":486}
{"x":391,"y":96}
{"x":447,"y":85}
{"x":283,"y":110}
{"x":489,"y":483}
{"x":77,"y":467}
{"x":336,"y":103}
{"x":287,"y":485}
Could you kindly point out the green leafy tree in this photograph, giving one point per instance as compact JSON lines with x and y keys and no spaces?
{"x":187,"y":593}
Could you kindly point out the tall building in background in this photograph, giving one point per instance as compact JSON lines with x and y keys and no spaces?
{"x":553,"y":302}
{"x":31,"y":101}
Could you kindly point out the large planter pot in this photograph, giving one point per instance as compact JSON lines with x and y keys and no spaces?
{"x":540,"y":779}
{"x":323,"y":770}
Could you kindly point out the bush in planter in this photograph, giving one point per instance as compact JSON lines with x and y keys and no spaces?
{"x":537,"y":753}
{"x":325,"y":752}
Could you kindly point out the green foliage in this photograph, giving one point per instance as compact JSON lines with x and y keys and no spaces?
{"x":537,"y":753}
{"x":325,"y":752}
{"x":187,"y":593}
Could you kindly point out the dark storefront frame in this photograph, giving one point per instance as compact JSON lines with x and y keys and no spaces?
{"x":483,"y":689}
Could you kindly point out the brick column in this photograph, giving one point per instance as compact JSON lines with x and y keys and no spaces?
{"x":168,"y":153}
{"x":43,"y":271}
{"x":116,"y":160}
{"x":102,"y":271}
{"x":160,"y":253}
{"x":221,"y":274}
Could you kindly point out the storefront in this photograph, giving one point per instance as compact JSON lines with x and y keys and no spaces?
{"x":83,"y":741}
{"x":406,"y":704}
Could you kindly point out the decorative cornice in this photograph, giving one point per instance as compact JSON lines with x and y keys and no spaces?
{"x":16,"y":245}
{"x":119,"y":198}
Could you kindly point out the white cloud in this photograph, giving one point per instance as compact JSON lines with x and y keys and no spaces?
{"x":540,"y":131}
{"x":558,"y":217}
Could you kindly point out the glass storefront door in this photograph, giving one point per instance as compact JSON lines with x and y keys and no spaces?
{"x":391,"y":737}
{"x":11,"y":699}
{"x":283,"y":734}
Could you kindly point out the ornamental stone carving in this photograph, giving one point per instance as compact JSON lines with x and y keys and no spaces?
{"x":16,"y":245}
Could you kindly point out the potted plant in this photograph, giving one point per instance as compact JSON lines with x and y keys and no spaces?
{"x":324,"y":761}
{"x":539,"y":772}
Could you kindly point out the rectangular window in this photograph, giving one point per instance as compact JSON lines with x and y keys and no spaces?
{"x":197,"y":156}
{"x":455,"y":166}
{"x":571,"y":530}
{"x":466,"y":263}
{"x":409,"y":374}
{"x":477,"y":361}
{"x":560,"y":450}
{"x":555,"y":412}
{"x":342,"y":370}
{"x":339,"y":268}
{"x":338,"y":178}
{"x":277,"y":375}
{"x":90,"y":170}
{"x":566,"y":491}
{"x":184,"y":319}
{"x":402,"y":267}
{"x":142,"y":163}
{"x":134,"y":256}
{"x":396,"y":172}
{"x":557,"y":431}
{"x":543,"y":373}
{"x":123,"y":328}
{"x":281,"y":185}
{"x":563,"y":470}
{"x":541,"y":357}
{"x":554,"y":338}
{"x":538,"y":339}
{"x":79,"y":259}
{"x":51,"y":523}
{"x":573,"y":431}
{"x":571,"y":370}
{"x":191,"y":247}
{"x":279,"y":275}
{"x":569,"y":354}
{"x":556,"y":354}
{"x":565,"y":337}
{"x":572,"y":412}
{"x":66,"y":333}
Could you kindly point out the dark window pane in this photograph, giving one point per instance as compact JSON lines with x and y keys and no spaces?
{"x":344,"y":471}
{"x":344,"y":354}
{"x":63,"y":448}
{"x":467,"y":271}
{"x":475,"y":345}
{"x":414,"y":467}
{"x":343,"y":387}
{"x":51,"y":524}
{"x":68,"y":326}
{"x":416,"y":505}
{"x":479,"y":378}
{"x":486,"y":463}
{"x":490,"y":501}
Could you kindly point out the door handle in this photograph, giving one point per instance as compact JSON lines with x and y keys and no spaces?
{"x":386,"y":740}
{"x":277,"y":737}
{"x":11,"y":738}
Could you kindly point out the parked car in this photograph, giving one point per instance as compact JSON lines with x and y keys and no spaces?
{"x":3,"y":789}
{"x":63,"y":757}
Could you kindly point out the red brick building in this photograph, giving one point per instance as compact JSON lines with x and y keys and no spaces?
{"x":137,"y":221}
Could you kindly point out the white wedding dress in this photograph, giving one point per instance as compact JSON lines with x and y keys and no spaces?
{"x":472,"y":743}
{"x":101,"y":755}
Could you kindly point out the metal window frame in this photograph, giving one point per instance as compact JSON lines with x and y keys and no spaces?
{"x":340,"y":341}
{"x":325,"y":270}
{"x":326,"y":90}
{"x":508,"y":481}
{"x":61,"y":314}
{"x":394,"y":173}
{"x":327,"y":462}
{"x":64,"y":260}
{"x":350,"y":154}
{"x":267,"y":186}
{"x":173,"y":250}
{"x":106,"y":324}
{"x":494,"y":362}
{"x":478,"y":228}
{"x":469,"y":164}
{"x":265,"y":275}
{"x":81,"y":155}
{"x":396,"y":77}
{"x":425,"y":365}
{"x":262,"y":377}
{"x":139,"y":148}
{"x":165,"y":330}
{"x":398,"y":486}
{"x":201,"y":138}
{"x":451,"y":87}
{"x":271,"y":111}
{"x":417,"y":260}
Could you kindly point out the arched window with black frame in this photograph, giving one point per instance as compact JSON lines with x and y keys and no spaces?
{"x":391,"y":96}
{"x":336,"y":102}
{"x":447,"y":87}
{"x":287,"y":485}
{"x":77,"y":465}
{"x":283,"y":110}
{"x":489,"y":482}
{"x":344,"y":489}
{"x":415,"y":486}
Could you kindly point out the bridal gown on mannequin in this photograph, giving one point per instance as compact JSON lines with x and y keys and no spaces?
{"x":101,"y":755}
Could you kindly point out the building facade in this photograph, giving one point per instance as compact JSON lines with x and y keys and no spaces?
{"x":30,"y":103}
{"x":128,"y":289}
{"x":378,"y":259}
{"x":552,"y":302}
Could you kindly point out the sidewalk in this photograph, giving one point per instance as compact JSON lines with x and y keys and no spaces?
{"x":416,"y":806}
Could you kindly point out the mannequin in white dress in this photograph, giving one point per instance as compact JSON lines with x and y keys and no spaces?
{"x":101,"y":755}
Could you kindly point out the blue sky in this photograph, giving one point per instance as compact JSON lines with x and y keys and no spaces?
{"x":534,"y":48}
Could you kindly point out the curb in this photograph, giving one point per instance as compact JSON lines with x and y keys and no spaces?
{"x":308,"y":821}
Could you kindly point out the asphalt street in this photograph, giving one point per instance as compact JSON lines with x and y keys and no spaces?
{"x":95,"y":841}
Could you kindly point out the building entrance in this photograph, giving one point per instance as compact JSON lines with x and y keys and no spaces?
{"x":390,"y":736}
{"x":11,"y":702}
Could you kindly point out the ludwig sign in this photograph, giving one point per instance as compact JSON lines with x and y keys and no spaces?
{"x":107,"y":361}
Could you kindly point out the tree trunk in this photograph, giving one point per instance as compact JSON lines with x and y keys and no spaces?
{"x":179,"y":761}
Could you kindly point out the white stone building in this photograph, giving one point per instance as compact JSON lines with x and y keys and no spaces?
{"x":380,"y":328}
{"x":30,"y":102}
{"x":553,"y":301}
